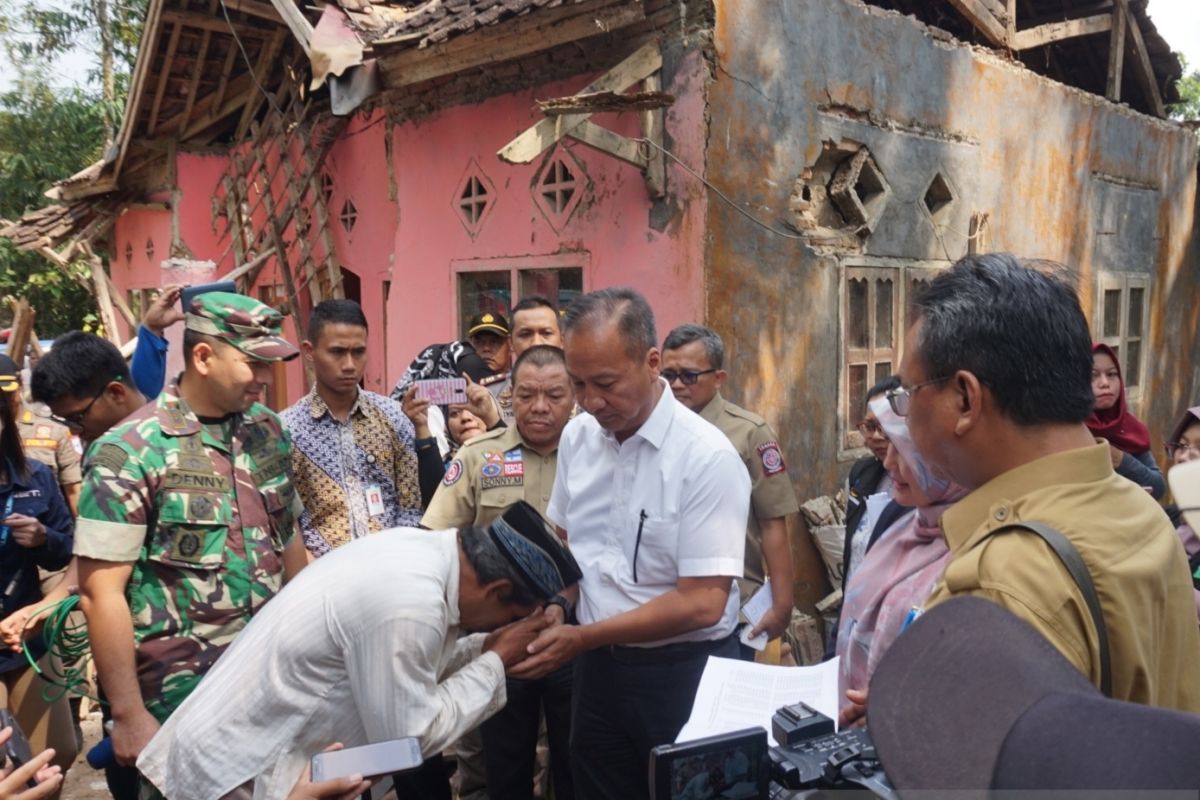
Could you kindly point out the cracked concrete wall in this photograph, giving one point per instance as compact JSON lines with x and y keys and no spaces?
{"x":1062,"y":175}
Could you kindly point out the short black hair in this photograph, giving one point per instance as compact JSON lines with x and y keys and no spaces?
{"x":532,"y":301}
{"x":885,"y":385}
{"x":1017,"y":328}
{"x":346,"y":312}
{"x":78,"y":365}
{"x":542,"y":355}
{"x":490,"y":565}
{"x":192,"y":338}
{"x":634,"y":317}
{"x":714,"y":348}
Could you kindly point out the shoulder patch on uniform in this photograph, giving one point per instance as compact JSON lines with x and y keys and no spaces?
{"x":110,"y":456}
{"x":453,"y":472}
{"x":771,"y":458}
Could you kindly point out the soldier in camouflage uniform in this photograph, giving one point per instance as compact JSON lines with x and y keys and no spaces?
{"x":187,"y":518}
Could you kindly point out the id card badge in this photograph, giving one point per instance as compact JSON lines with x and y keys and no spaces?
{"x":374,"y":500}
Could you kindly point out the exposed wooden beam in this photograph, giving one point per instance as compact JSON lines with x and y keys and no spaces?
{"x":1077,"y":12}
{"x":980,"y":16}
{"x":606,"y":141}
{"x":255,"y":8}
{"x":1057,"y":31}
{"x":163,"y":77}
{"x":194,"y":83}
{"x":297,"y":23}
{"x":526,"y":35}
{"x":1010,"y":19}
{"x":266,"y":58}
{"x":652,"y":129}
{"x":1116,"y":56}
{"x":217,"y":24}
{"x":226,"y":70}
{"x":998,"y":8}
{"x":1142,"y":67}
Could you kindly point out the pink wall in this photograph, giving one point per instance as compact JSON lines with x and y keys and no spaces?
{"x":407,"y":229}
{"x":611,"y":225}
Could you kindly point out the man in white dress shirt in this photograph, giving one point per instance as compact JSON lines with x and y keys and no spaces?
{"x":363,"y":647}
{"x":653,"y":501}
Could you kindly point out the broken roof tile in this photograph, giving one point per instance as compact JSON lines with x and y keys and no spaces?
{"x":421,"y":23}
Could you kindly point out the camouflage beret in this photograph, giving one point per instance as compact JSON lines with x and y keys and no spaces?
{"x":250,"y":326}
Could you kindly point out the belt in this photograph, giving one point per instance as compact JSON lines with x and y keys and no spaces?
{"x":667,"y":653}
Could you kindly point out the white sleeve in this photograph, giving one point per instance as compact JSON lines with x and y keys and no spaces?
{"x":393,"y":671}
{"x":560,"y":498}
{"x":713,"y":516}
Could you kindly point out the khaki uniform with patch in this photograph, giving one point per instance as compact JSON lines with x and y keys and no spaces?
{"x":771,"y":491}
{"x":489,"y":474}
{"x":50,"y":443}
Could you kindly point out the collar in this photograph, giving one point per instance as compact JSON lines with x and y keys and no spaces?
{"x":317,"y":407}
{"x":715,"y":408}
{"x":989,"y":506}
{"x":654,"y":429}
{"x":26,"y":416}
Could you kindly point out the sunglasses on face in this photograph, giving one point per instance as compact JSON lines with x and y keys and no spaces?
{"x":687,"y":377}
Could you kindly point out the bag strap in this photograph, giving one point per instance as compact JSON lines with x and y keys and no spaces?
{"x":1075,"y":565}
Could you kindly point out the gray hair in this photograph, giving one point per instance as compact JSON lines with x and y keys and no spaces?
{"x":542,"y":355}
{"x":714,"y":348}
{"x":634,"y":317}
{"x":491,"y":565}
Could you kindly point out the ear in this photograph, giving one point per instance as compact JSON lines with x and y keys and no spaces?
{"x":497,"y":591}
{"x":654,"y":360}
{"x":968,"y":394}
{"x":306,"y":347}
{"x":116,"y":391}
{"x":720,"y":375}
{"x":202,"y":357}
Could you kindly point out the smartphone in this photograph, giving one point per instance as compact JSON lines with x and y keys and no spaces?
{"x":443,"y":391}
{"x":370,"y":760}
{"x":16,"y":749}
{"x":190,"y":293}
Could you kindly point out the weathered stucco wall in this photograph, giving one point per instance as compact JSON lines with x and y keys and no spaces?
{"x":1061,"y":174}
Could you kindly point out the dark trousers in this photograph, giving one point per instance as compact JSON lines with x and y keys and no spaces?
{"x":510,"y":737}
{"x":628,"y":700}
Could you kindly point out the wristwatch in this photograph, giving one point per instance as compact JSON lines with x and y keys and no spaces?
{"x":566,"y":606}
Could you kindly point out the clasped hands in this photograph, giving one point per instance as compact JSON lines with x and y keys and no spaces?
{"x":537,"y":645}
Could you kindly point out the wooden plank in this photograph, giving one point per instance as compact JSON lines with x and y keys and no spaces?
{"x":218,"y":96}
{"x":1010,"y":19}
{"x":1057,"y":31}
{"x":255,"y":8}
{"x":194,"y":83}
{"x":644,"y":62}
{"x":606,"y":141}
{"x":216,"y":24}
{"x":104,"y":303}
{"x":22,"y":330}
{"x":163,"y":78}
{"x":652,"y":129}
{"x":265,"y":59}
{"x":997,"y":8}
{"x":1116,"y":55}
{"x":297,"y":23}
{"x":501,"y":43}
{"x":983,"y":19}
{"x":151,"y":29}
{"x":1142,"y":67}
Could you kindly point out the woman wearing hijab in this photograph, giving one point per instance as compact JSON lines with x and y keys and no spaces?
{"x":1128,"y":438}
{"x":1183,"y":445}
{"x":896,"y":576}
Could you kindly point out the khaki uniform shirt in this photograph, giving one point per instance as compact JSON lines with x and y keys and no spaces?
{"x":771,"y":492}
{"x":489,"y":474}
{"x":1131,"y":551}
{"x":50,"y":443}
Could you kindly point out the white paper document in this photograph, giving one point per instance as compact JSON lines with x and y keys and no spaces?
{"x":759,"y":604}
{"x":735,"y":694}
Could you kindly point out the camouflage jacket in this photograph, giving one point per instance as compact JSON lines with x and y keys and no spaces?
{"x":203,"y":512}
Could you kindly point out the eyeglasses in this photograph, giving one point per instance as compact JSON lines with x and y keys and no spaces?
{"x":870,"y":427}
{"x":901,"y":397}
{"x":687,"y":377}
{"x":74,"y":422}
{"x":1175,"y":449}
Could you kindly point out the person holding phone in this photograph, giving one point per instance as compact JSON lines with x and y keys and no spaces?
{"x":36,"y":530}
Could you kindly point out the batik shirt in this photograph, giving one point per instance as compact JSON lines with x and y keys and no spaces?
{"x":354,"y":477}
{"x":203,"y":512}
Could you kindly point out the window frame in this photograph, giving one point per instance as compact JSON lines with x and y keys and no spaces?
{"x":1123,"y":282}
{"x":514,"y":266}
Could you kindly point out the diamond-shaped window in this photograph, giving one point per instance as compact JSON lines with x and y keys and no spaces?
{"x":150,"y":249}
{"x":474,"y":198}
{"x":939,"y":197}
{"x":129,"y":252}
{"x":558,"y":187}
{"x":326,"y":187}
{"x":349,"y":215}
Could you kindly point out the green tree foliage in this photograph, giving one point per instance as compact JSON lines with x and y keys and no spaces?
{"x":1188,"y":106}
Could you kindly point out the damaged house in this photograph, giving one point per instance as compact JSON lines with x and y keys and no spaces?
{"x":786,"y":171}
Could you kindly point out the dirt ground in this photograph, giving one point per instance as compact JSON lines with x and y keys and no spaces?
{"x":83,"y":782}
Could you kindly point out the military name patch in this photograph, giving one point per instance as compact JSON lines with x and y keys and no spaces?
{"x":491,"y":470}
{"x":771,"y":458}
{"x":110,"y":456}
{"x":453,"y":472}
{"x":187,"y":481}
{"x":495,"y":483}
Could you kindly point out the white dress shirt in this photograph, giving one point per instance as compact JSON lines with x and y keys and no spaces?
{"x":694,"y":490}
{"x":361,"y":647}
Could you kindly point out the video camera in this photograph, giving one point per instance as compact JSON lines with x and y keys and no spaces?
{"x":811,"y":758}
